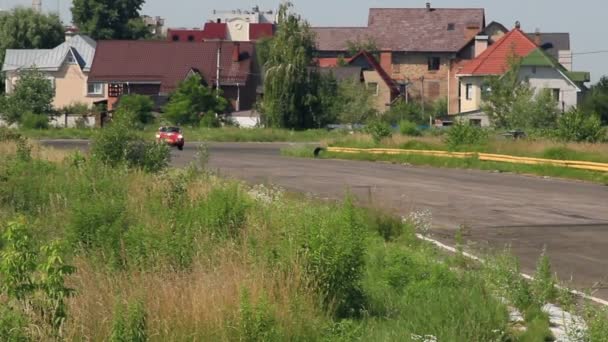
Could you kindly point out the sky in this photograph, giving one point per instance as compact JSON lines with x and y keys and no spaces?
{"x":584,"y":19}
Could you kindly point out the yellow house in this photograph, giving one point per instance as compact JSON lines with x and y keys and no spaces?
{"x":66,"y":66}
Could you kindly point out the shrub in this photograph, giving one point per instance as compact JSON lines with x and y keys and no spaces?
{"x":334,"y":250}
{"x":575,"y":125}
{"x":257,"y":322}
{"x":35,"y":121}
{"x":12,"y":325}
{"x":209,"y":120}
{"x":225,"y":211}
{"x":148,"y":156}
{"x":462,"y":134}
{"x":403,"y":111}
{"x":543,"y":286}
{"x":140,"y":105}
{"x":129,"y":325}
{"x":409,"y":128}
{"x":379,"y":130}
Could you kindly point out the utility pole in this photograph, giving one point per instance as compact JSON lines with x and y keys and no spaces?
{"x":217,"y":75}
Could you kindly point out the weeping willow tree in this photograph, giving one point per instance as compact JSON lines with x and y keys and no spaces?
{"x":288,"y":94}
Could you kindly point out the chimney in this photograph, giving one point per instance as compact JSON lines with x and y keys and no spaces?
{"x":481,"y":44}
{"x":236,"y":53}
{"x":537,"y":40}
{"x":565,"y":59}
{"x":517,"y":25}
{"x":428,"y":6}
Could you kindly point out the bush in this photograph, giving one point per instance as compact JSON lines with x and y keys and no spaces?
{"x":257,"y":322}
{"x":464,"y":134}
{"x":35,"y":121}
{"x":117,"y":145}
{"x":12,"y":325}
{"x":409,"y":128}
{"x":140,"y":105}
{"x":379,"y":130}
{"x":575,"y":125}
{"x":334,"y":251}
{"x":402,"y":111}
{"x":209,"y":120}
{"x":225,"y":211}
{"x":129,"y":325}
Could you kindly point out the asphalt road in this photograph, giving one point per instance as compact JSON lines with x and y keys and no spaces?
{"x":525,"y":212}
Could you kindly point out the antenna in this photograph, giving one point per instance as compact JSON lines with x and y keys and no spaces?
{"x":37,"y":5}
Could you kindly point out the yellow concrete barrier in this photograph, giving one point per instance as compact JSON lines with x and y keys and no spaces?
{"x":575,"y":164}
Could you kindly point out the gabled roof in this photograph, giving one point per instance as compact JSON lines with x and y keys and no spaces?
{"x":370,"y":61}
{"x":80,"y":46}
{"x":541,"y":58}
{"x":409,"y":29}
{"x":495,"y":59}
{"x":168,"y":63}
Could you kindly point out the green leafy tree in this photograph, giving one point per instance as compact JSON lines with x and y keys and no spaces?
{"x":575,"y":125}
{"x":140,"y":105}
{"x":323,"y":98}
{"x":191,"y":99}
{"x":33,"y":95}
{"x":355,"y":46}
{"x":408,"y":111}
{"x":23,"y":28}
{"x":355,"y":104}
{"x":287,"y":93}
{"x":597,"y":100}
{"x":110,"y":19}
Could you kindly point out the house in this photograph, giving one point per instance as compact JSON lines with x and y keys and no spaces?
{"x":417,"y":47}
{"x":155,"y":68}
{"x":384,"y":89}
{"x":67,"y":67}
{"x":237,"y":25}
{"x":538,"y":67}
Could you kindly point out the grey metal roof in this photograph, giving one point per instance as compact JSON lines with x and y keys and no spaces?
{"x":552,"y":43}
{"x":82,"y":47}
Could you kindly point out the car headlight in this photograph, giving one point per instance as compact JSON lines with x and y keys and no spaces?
{"x":180,"y":137}
{"x":158,"y":136}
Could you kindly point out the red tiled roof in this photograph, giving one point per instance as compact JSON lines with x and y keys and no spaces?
{"x":371,"y":60}
{"x":409,"y":29}
{"x":495,"y":60}
{"x":215,"y":31}
{"x":169,"y":62}
{"x":258,"y":31}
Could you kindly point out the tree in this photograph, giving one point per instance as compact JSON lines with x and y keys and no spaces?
{"x":287,"y":93}
{"x":355,"y":104}
{"x":597,"y":100}
{"x":510,"y":102}
{"x":24,"y":28}
{"x":110,"y":19}
{"x":191,"y":99}
{"x":33,"y":95}
{"x":140,"y":105}
{"x":575,"y":125}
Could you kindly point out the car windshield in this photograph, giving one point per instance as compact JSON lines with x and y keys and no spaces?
{"x":170,"y":130}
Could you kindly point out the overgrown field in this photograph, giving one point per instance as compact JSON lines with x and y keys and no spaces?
{"x":225,"y":134}
{"x":93,"y":252}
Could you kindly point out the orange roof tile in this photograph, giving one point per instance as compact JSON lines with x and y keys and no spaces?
{"x":495,"y":60}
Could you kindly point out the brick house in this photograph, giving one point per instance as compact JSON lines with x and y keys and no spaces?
{"x":418,"y":47}
{"x":155,"y":68}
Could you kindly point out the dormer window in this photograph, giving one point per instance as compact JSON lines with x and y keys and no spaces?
{"x":70,"y":59}
{"x":451,"y":27}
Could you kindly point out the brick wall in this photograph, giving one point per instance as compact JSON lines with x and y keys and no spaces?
{"x":413,"y":66}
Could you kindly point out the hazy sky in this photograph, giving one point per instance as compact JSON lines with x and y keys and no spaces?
{"x":584,"y":19}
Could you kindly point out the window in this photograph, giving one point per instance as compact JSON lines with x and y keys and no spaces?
{"x":95,"y":89}
{"x":175,"y":38}
{"x":556,"y":94}
{"x":372,"y":87}
{"x":69,"y":58}
{"x":469,"y":91}
{"x":475,"y":122}
{"x":451,"y":27}
{"x":190,"y":38}
{"x":434,"y":63}
{"x":534,"y":70}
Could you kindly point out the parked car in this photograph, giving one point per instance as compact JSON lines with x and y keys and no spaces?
{"x":172,"y":136}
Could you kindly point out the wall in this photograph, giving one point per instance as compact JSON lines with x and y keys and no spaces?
{"x":246,"y":119}
{"x":412,"y":66}
{"x":549,"y":78}
{"x":238,"y":30}
{"x":72,"y":121}
{"x":384,"y":92}
{"x":70,"y":86}
{"x":475,"y":102}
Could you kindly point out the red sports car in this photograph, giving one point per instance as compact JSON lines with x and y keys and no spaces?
{"x":172,"y":136}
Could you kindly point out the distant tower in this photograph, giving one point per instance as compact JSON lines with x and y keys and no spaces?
{"x":37,"y":5}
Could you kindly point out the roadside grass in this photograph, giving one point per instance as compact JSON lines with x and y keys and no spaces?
{"x":538,"y":148}
{"x":184,"y":255}
{"x":456,"y":163}
{"x":224,"y":134}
